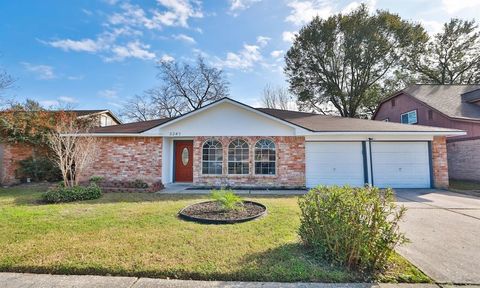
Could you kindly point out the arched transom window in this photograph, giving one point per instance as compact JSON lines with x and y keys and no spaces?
{"x":238,"y":157}
{"x":212,"y":157}
{"x":265,"y":157}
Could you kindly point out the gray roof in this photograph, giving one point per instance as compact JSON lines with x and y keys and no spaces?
{"x":326,"y":123}
{"x":451,"y":100}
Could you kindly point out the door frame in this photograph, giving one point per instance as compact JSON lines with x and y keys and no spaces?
{"x":174,"y":157}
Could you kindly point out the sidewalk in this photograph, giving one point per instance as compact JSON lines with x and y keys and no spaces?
{"x":24,"y":280}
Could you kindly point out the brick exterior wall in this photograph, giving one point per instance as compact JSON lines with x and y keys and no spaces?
{"x":128,"y":159}
{"x":440,"y":162}
{"x":10,"y":155}
{"x":464,"y":159}
{"x":290,"y":164}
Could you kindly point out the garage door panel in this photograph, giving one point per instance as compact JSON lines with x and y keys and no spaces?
{"x":334,"y":163}
{"x":401,"y":164}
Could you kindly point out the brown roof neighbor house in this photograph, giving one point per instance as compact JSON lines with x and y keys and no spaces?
{"x":448,"y":106}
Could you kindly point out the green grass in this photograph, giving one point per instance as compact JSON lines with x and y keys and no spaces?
{"x":465,"y":185}
{"x":140,"y":235}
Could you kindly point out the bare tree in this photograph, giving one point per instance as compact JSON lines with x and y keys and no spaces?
{"x":278,"y":98}
{"x":73,"y":153}
{"x":6,"y":80}
{"x":184,"y":87}
{"x":139,"y":108}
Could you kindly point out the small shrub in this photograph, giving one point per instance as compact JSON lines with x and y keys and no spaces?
{"x":62,"y":194}
{"x":38,"y":169}
{"x":353,"y":227}
{"x":227,"y":199}
{"x":96,"y":179}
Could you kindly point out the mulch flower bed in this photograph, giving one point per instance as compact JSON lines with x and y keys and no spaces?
{"x":211,"y":212}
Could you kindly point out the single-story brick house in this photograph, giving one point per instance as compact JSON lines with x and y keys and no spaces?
{"x":449,"y":106}
{"x":228,"y":143}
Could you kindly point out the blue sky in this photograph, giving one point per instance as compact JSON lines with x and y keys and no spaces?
{"x":97,"y":54}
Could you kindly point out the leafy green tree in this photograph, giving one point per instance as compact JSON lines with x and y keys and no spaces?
{"x":338,"y":61}
{"x":451,"y":56}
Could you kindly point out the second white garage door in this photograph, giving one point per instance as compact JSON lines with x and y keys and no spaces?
{"x":401,"y":164}
{"x":334,"y":163}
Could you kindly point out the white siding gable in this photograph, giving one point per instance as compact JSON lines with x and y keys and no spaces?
{"x":224,"y":119}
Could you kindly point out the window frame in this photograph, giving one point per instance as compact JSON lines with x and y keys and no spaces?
{"x":244,"y":163}
{"x":407,"y":113}
{"x":212,"y":161}
{"x":255,"y":161}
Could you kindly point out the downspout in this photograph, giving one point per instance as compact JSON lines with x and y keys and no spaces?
{"x":370,"y":156}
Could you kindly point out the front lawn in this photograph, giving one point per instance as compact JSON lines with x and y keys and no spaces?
{"x":140,"y":235}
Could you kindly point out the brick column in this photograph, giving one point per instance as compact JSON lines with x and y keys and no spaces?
{"x":439,"y":162}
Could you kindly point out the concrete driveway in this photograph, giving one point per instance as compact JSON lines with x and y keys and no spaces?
{"x":444,"y":230}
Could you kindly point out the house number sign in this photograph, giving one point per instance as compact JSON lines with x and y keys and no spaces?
{"x":175,"y":133}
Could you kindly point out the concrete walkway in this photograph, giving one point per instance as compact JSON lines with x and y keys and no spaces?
{"x":185,"y":188}
{"x":444,"y":230}
{"x":24,"y":280}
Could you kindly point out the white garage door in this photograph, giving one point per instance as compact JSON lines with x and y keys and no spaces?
{"x":334,"y":163}
{"x":401,"y":164}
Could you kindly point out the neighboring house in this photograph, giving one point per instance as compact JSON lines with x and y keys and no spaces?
{"x":449,"y":106}
{"x":105,"y":117}
{"x":227,"y":143}
{"x":10,"y":154}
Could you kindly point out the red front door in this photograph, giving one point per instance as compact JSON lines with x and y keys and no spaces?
{"x":184,"y":161}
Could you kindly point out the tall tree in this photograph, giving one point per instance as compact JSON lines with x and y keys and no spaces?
{"x":451,"y":56}
{"x":183,"y":88}
{"x":277,"y":98}
{"x":339,"y":60}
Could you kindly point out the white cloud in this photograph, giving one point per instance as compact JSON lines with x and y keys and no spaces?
{"x":288,"y":36}
{"x":371,"y":4}
{"x":49,"y":103}
{"x":304,"y":11}
{"x":432,"y":27}
{"x":245,"y":59}
{"x":454,"y":6}
{"x":276,"y":53}
{"x":108,"y":93}
{"x":78,"y":77}
{"x":134,"y":49}
{"x":167,"y":58}
{"x":43,"y":72}
{"x":240,"y":5}
{"x":67,"y":99}
{"x":184,"y":38}
{"x":263,"y":40}
{"x":172,"y":13}
{"x":84,"y":45}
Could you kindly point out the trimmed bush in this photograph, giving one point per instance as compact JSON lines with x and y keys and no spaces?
{"x":227,"y":199}
{"x":38,"y":169}
{"x":353,"y":227}
{"x":62,"y":194}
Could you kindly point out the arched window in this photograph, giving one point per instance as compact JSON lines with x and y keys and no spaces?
{"x":265,"y":157}
{"x":212,"y":157}
{"x":238,"y":157}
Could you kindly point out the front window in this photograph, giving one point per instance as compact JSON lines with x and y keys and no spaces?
{"x":265,"y":157}
{"x":212,"y":157}
{"x":409,"y":117}
{"x":238,"y":157}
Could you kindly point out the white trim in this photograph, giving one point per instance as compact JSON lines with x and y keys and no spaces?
{"x":244,"y":106}
{"x":112,"y":135}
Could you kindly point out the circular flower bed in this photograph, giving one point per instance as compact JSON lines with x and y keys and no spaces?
{"x":211,"y":212}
